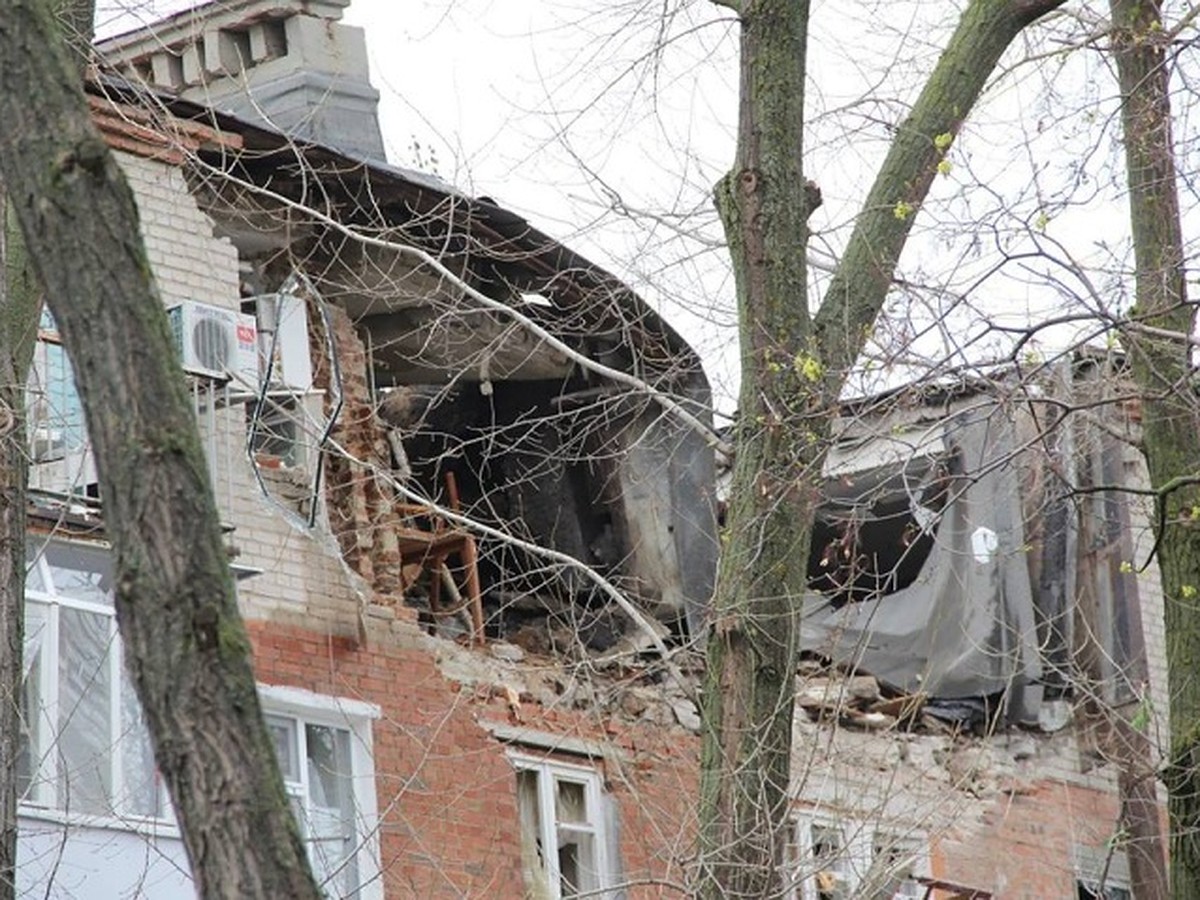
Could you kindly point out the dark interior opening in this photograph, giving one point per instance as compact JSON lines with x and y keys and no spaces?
{"x":874,"y":532}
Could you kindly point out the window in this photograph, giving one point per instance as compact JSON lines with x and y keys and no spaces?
{"x":85,"y":748}
{"x":1101,"y":873}
{"x":59,"y":450}
{"x":1089,"y":890}
{"x":830,"y":864}
{"x":274,"y":431}
{"x":837,"y":861}
{"x":563,"y":849}
{"x":324,"y":749}
{"x":894,"y":860}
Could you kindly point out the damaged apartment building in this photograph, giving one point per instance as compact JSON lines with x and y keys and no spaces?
{"x":419,"y":410}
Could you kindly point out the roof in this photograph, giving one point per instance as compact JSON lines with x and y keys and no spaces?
{"x":593,"y":299}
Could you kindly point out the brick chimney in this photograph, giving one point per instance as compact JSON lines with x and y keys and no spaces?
{"x":288,"y":63}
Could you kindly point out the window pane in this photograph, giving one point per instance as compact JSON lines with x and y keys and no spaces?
{"x":283,"y":735}
{"x":829,"y":863}
{"x":83,"y":573}
{"x":331,"y":806}
{"x":570,"y":802}
{"x":84,"y":704}
{"x":533,"y":861}
{"x":29,"y":748}
{"x":33,"y":570}
{"x":56,"y":414}
{"x":577,"y":863}
{"x":142,"y":785}
{"x":892,"y":866}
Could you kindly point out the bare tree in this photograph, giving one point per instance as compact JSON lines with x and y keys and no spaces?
{"x":1161,"y":359}
{"x":793,"y":368}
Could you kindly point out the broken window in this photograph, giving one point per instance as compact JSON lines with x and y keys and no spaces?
{"x":893,"y":868}
{"x":830,"y":866}
{"x":563,"y":852}
{"x":839,"y":860}
{"x":274,"y":431}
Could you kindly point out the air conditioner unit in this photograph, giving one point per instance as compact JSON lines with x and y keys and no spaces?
{"x":216,"y":343}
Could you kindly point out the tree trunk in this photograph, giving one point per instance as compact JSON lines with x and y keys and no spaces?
{"x":1161,"y":367}
{"x":792,"y":372}
{"x":749,"y":686}
{"x":20,"y":308}
{"x":14,"y":337}
{"x":185,"y":645}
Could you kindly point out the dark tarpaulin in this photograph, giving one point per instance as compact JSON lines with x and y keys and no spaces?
{"x":966,"y":626}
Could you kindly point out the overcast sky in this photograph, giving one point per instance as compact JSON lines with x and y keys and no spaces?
{"x":606,"y":124}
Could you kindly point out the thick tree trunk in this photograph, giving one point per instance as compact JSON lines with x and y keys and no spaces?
{"x":792,"y":371}
{"x":185,"y":645}
{"x":749,"y":687}
{"x":20,"y":307}
{"x":1162,"y":370}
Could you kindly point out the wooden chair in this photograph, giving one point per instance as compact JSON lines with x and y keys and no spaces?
{"x":431,"y":548}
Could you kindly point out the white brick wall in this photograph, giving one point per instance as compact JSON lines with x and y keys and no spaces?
{"x":303,"y":578}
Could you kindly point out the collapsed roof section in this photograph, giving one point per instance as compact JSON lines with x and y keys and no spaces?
{"x":497,"y":355}
{"x":954,"y":560}
{"x":950,"y":559}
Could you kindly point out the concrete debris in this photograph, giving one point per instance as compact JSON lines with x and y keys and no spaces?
{"x":506,"y":652}
{"x":686,"y":714}
{"x":856,"y":700}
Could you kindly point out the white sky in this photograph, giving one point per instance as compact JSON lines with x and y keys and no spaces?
{"x":606,"y":125}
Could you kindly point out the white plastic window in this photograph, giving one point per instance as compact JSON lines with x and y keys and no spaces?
{"x":324,"y":750}
{"x":563,"y":848}
{"x":60,"y":452}
{"x":85,"y":748}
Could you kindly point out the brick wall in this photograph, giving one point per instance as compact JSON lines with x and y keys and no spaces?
{"x":1005,"y":814}
{"x":445,"y":789}
{"x":306,"y":579}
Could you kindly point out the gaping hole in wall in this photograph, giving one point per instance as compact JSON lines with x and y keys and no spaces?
{"x":876,"y":528}
{"x":526,"y":459}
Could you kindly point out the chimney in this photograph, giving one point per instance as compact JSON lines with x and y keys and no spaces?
{"x":287,"y":63}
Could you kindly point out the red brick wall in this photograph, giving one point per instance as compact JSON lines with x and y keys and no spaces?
{"x":445,"y":789}
{"x":1023,"y":849}
{"x":447,"y":798}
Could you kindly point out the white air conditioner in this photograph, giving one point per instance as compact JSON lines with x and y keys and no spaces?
{"x":216,"y":343}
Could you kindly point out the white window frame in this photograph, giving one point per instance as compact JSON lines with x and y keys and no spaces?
{"x":43,"y":800}
{"x":1096,"y":864}
{"x":356,"y":716}
{"x":548,"y":771}
{"x":856,"y":854}
{"x":304,"y":707}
